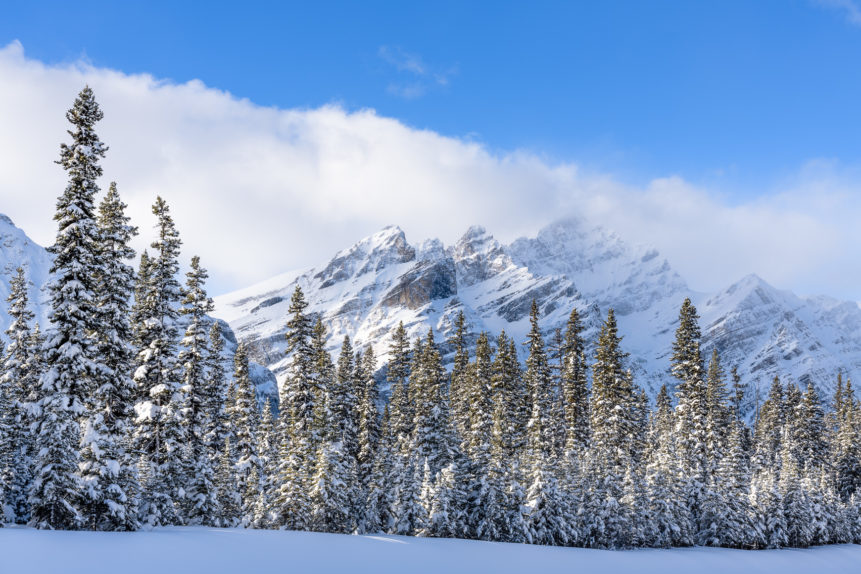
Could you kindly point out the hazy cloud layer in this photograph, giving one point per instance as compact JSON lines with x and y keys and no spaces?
{"x":256,"y":191}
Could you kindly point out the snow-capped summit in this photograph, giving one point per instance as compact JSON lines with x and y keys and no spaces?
{"x":366,"y":290}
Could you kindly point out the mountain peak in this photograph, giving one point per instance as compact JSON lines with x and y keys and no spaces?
{"x":387,"y":246}
{"x":478,"y":256}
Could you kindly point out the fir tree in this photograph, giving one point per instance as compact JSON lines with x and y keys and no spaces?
{"x":575,"y":388}
{"x":159,"y":433}
{"x":108,"y":469}
{"x":267,"y":450}
{"x":18,"y":379}
{"x":370,"y":435}
{"x":201,"y":498}
{"x":614,"y":426}
{"x":244,"y":419}
{"x":71,"y":349}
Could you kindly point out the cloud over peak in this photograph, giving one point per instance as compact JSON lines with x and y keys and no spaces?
{"x":258,"y":190}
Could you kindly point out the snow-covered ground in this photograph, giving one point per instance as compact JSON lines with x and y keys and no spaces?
{"x":217,"y":551}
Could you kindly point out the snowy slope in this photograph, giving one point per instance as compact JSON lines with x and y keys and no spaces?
{"x":217,"y":551}
{"x":365,"y":290}
{"x":16,"y":249}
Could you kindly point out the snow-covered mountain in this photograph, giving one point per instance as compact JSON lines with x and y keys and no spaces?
{"x":365,"y":290}
{"x":18,"y":250}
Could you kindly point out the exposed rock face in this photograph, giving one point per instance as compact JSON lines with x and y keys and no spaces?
{"x":364,"y":291}
{"x":428,"y":281}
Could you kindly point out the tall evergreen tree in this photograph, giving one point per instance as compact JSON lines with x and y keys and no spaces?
{"x":245,"y":419}
{"x":160,"y":433}
{"x":692,"y":409}
{"x":201,"y":497}
{"x":18,"y":380}
{"x":108,"y":469}
{"x":295,"y":421}
{"x":71,"y":349}
{"x":575,"y":387}
{"x":614,"y":428}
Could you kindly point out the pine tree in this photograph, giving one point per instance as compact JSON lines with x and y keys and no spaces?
{"x":71,"y":349}
{"x":476,"y":441}
{"x":575,"y":388}
{"x":201,"y":498}
{"x":433,"y":437}
{"x":229,"y":500}
{"x":159,"y":432}
{"x":216,"y":404}
{"x":370,"y":436}
{"x":546,"y":510}
{"x":267,"y":450}
{"x":459,"y":377}
{"x":108,"y":470}
{"x":334,"y":482}
{"x":296,"y":418}
{"x":18,"y":379}
{"x":614,"y":427}
{"x":670,"y":520}
{"x":244,"y":419}
{"x":692,"y":410}
{"x":719,"y":415}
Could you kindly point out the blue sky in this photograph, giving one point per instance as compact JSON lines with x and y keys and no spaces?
{"x":725,"y":134}
{"x":735,"y":94}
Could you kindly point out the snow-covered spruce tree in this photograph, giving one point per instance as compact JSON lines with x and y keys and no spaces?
{"x":433,"y":438}
{"x":476,"y":442}
{"x":369,"y":440}
{"x":267,"y":450}
{"x":501,"y":518}
{"x":808,"y":433}
{"x":575,"y":388}
{"x":719,"y":418}
{"x":108,"y":470}
{"x":201,"y":502}
{"x":140,"y":309}
{"x":547,"y":514}
{"x":847,"y":446}
{"x":670,"y":522}
{"x":333,"y":484}
{"x":692,"y":406}
{"x":245,"y":419}
{"x":768,"y":431}
{"x":159,"y":432}
{"x":614,"y":427}
{"x":71,"y":350}
{"x":17,"y":381}
{"x":797,"y":508}
{"x":216,"y":407}
{"x":297,"y":400}
{"x":459,"y":377}
{"x":379,"y":499}
{"x":229,"y":499}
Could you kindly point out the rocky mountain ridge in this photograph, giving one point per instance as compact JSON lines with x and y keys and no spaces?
{"x":366,"y":290}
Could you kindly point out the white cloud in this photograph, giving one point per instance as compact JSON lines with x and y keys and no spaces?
{"x":256,"y":191}
{"x":850,"y":9}
{"x":421,"y":77}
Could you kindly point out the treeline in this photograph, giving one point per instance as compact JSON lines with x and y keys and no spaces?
{"x":111,"y":420}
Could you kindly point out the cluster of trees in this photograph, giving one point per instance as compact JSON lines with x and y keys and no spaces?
{"x":112,"y":420}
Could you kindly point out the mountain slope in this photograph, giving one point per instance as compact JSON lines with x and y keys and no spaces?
{"x":365,"y":290}
{"x":16,"y":249}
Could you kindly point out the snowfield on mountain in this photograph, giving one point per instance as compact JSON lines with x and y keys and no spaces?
{"x":364,"y":291}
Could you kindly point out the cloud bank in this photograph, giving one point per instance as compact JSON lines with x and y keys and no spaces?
{"x":256,"y":191}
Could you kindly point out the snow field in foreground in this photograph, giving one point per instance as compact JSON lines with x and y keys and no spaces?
{"x":217,"y":551}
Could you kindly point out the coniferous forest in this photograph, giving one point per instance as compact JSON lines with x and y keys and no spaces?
{"x":115,"y":418}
